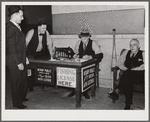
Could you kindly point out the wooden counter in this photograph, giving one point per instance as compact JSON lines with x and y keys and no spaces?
{"x":67,"y":73}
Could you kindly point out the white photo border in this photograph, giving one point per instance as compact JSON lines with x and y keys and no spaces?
{"x":94,"y":115}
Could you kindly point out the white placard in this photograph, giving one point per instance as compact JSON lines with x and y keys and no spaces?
{"x":66,"y":77}
{"x":88,"y":77}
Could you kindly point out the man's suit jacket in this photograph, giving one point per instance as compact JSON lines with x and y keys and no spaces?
{"x":15,"y":45}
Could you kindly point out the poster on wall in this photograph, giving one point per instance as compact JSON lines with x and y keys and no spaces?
{"x":66,"y":77}
{"x":88,"y":77}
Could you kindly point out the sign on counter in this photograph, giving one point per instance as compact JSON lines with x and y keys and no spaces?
{"x":44,"y":74}
{"x":66,"y":77}
{"x":88,"y":77}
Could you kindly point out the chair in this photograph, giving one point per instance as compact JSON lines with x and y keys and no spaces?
{"x":63,"y":52}
{"x":138,"y":87}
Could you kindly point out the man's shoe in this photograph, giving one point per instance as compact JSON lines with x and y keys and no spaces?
{"x":22,"y":107}
{"x":71,"y":94}
{"x":86,"y":96}
{"x":127,"y":107}
{"x":25,"y":100}
{"x":110,"y":92}
{"x":114,"y":95}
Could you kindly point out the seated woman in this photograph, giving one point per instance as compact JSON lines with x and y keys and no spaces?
{"x":132,"y":64}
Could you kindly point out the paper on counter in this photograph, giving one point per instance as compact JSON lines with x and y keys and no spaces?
{"x":83,"y":60}
{"x":80,"y":60}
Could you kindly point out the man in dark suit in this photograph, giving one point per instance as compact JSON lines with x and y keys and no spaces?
{"x":131,"y":63}
{"x":16,"y":57}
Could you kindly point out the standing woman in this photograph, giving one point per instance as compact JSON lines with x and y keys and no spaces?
{"x":16,"y":57}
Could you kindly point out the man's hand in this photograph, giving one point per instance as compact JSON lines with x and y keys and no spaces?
{"x":21,"y":66}
{"x":122,"y":67}
{"x":136,"y":69}
{"x":75,"y":56}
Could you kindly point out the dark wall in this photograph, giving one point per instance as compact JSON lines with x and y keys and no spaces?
{"x":31,"y":15}
{"x":101,"y":22}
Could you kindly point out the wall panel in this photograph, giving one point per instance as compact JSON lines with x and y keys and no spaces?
{"x":102,"y":22}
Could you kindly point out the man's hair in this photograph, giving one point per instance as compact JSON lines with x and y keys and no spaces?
{"x":135,"y":40}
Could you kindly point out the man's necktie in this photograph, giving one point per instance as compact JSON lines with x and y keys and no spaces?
{"x":19,"y":27}
{"x":84,"y":47}
{"x":132,"y":56}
